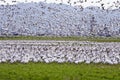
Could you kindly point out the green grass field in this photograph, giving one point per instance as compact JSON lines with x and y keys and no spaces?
{"x":70,"y":38}
{"x":55,"y":71}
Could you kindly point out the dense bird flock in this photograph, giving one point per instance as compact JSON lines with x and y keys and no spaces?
{"x":59,"y":51}
{"x":68,"y":18}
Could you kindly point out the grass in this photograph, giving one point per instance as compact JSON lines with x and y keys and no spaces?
{"x":55,"y":71}
{"x":70,"y":38}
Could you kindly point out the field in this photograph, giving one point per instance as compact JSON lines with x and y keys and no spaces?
{"x":55,"y":71}
{"x":70,"y":38}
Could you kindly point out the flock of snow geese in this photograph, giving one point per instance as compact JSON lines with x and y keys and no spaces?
{"x":107,"y":4}
{"x":68,"y":18}
{"x":88,"y":18}
{"x":59,"y":51}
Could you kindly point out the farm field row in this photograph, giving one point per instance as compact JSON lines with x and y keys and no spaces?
{"x":55,"y":71}
{"x":69,"y":38}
